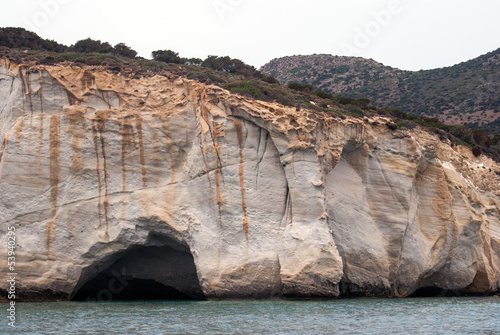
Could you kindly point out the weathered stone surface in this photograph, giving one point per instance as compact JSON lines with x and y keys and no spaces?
{"x":110,"y":179}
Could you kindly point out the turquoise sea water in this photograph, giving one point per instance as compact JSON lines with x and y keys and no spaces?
{"x":345,"y":316}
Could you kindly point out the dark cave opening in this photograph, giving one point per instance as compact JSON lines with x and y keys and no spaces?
{"x":144,"y":273}
{"x":135,"y":289}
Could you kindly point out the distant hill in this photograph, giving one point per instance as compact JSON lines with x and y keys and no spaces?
{"x":467,"y":93}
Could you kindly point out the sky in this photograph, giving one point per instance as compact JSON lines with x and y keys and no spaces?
{"x":405,"y":34}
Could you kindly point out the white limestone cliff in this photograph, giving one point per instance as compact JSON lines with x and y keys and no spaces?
{"x":109,"y":178}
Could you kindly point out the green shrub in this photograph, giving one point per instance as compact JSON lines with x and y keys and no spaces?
{"x":324,"y":95}
{"x":230,"y":65}
{"x":193,"y":61}
{"x":244,"y":88}
{"x":270,"y":80}
{"x":481,"y":138}
{"x":301,"y":87}
{"x":345,"y":100}
{"x":90,"y":46}
{"x":463,"y":133}
{"x":167,"y":56}
{"x":355,"y":111}
{"x":476,"y":151}
{"x":20,"y":38}
{"x":121,"y":49}
{"x":392,"y":126}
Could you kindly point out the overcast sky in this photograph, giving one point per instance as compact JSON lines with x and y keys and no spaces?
{"x":407,"y":34}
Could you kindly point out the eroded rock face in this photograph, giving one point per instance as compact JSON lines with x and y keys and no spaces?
{"x":109,"y":179}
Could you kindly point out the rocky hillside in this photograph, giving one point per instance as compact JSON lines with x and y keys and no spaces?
{"x":125,"y":184}
{"x":467,"y":93}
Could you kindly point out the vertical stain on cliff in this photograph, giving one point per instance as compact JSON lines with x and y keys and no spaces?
{"x":98,"y":169}
{"x":26,"y":86}
{"x":215,"y":130}
{"x":218,"y":192}
{"x":124,"y":170}
{"x":40,"y":91}
{"x":156,"y":151}
{"x":203,"y":120}
{"x":128,"y":144}
{"x":239,"y":133}
{"x":19,"y":130}
{"x":87,"y":80}
{"x":77,"y":129}
{"x":54,"y":178}
{"x":106,"y":100}
{"x":200,"y":138}
{"x":186,"y":129}
{"x":101,"y":128}
{"x":142,"y":160}
{"x":98,"y":129}
{"x":168,"y":145}
{"x":72,"y":99}
{"x":40,"y":144}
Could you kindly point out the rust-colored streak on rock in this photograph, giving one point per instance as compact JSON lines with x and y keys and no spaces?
{"x":40,"y":91}
{"x":217,"y":173}
{"x":21,"y":76}
{"x":239,"y":132}
{"x":124,"y":144}
{"x":77,"y":128}
{"x":204,"y":153}
{"x":142,"y":160}
{"x":87,"y":80}
{"x":156,"y":151}
{"x":28,"y":83}
{"x":219,"y":206}
{"x":96,"y":148}
{"x":40,"y":144}
{"x":218,"y":132}
{"x":186,"y":128}
{"x":101,"y":128}
{"x":124,"y":170}
{"x":168,"y":145}
{"x":200,"y":138}
{"x":215,"y":134}
{"x":72,"y":99}
{"x":106,"y":100}
{"x":443,"y":200}
{"x":19,"y":130}
{"x":127,"y":144}
{"x":54,"y":178}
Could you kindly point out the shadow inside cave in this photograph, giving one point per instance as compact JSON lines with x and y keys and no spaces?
{"x":143,"y":273}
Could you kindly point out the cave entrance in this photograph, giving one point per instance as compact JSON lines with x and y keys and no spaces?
{"x":144,"y":273}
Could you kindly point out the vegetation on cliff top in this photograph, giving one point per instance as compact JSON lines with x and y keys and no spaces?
{"x":22,"y":46}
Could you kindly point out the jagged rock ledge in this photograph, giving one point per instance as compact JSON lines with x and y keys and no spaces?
{"x":126,"y":187}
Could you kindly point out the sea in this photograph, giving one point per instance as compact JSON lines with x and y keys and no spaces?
{"x":460,"y":315}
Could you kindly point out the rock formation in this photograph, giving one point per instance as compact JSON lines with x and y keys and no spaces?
{"x":120,"y":184}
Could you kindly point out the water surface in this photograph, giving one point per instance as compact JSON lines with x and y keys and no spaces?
{"x":344,"y":316}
